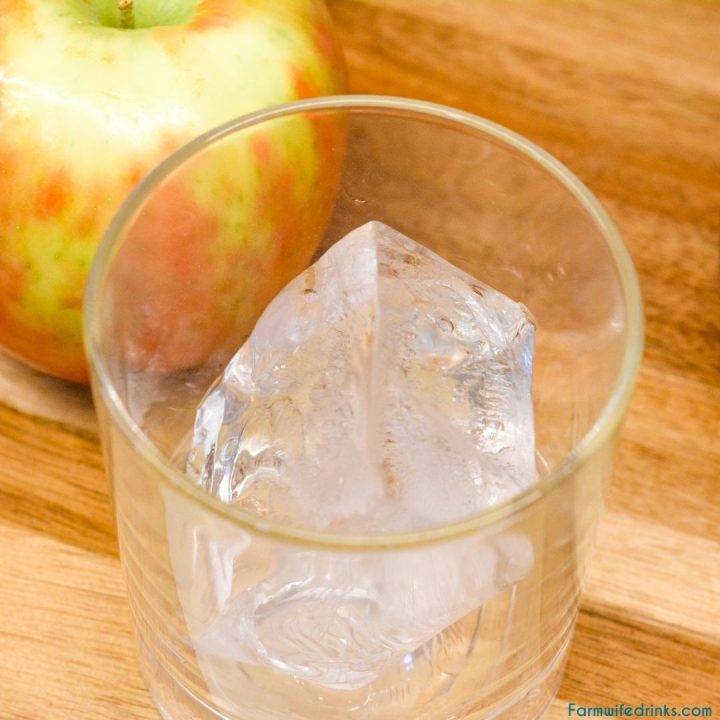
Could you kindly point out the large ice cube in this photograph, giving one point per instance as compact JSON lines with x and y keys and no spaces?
{"x":384,"y":389}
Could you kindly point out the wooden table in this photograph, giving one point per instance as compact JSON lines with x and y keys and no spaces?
{"x":628,"y":95}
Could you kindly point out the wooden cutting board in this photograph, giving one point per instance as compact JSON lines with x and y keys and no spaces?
{"x":628,"y":95}
{"x":45,"y":397}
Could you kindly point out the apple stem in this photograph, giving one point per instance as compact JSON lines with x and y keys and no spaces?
{"x":127,"y":16}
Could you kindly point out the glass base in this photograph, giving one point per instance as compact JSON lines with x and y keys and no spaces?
{"x":176,"y":702}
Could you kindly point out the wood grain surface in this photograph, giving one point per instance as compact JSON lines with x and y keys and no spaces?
{"x":627,"y":94}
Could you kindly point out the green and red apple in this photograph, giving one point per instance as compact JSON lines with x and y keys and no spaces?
{"x":93,"y":94}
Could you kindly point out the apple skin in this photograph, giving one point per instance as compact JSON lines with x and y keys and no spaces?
{"x":86,"y":110}
{"x":217,"y":240}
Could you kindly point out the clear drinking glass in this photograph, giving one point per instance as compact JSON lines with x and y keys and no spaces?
{"x":220,"y":597}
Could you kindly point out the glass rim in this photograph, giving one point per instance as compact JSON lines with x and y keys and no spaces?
{"x":605,"y":425}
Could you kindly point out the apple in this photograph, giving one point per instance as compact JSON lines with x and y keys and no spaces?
{"x":93,"y":94}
